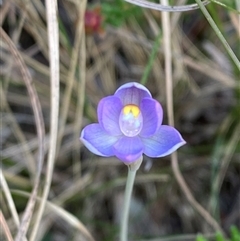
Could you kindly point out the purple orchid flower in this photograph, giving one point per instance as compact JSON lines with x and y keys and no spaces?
{"x":130,"y":125}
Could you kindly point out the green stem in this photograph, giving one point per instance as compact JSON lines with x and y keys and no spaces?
{"x":151,"y":59}
{"x":126,"y":205}
{"x":218,"y":32}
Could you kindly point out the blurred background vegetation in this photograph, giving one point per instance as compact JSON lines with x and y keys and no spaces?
{"x":118,"y":43}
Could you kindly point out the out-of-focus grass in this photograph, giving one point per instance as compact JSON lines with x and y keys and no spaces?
{"x":89,"y":188}
{"x":234,"y":236}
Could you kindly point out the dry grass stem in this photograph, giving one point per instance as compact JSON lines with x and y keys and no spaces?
{"x":53,"y":40}
{"x":80,"y":91}
{"x":5,"y":227}
{"x":3,"y":11}
{"x":235,"y":20}
{"x":89,"y":65}
{"x":19,"y":135}
{"x":71,"y":74}
{"x":59,"y":211}
{"x":169,"y":94}
{"x":9,"y":199}
{"x":40,"y":132}
{"x":228,"y":154}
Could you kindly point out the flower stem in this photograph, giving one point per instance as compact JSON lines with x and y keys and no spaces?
{"x":218,"y":32}
{"x":126,"y":205}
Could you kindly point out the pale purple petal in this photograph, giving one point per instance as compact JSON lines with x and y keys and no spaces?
{"x":128,"y":149}
{"x":132,"y":93}
{"x":98,"y":140}
{"x":152,"y":116}
{"x":165,"y":141}
{"x":109,"y":109}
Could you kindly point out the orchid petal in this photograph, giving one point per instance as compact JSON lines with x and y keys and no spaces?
{"x":132,"y":93}
{"x":97,"y":140}
{"x":164,"y":142}
{"x":152,"y":116}
{"x":109,"y":109}
{"x":128,"y":149}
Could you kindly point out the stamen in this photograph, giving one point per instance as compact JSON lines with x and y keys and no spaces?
{"x":131,"y":120}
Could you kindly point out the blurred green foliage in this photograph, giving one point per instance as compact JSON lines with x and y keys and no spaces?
{"x":116,"y":13}
{"x":234,"y":236}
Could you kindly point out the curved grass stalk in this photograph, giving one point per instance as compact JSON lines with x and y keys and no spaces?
{"x":225,"y":6}
{"x":159,"y":7}
{"x":9,"y":199}
{"x":218,"y":33}
{"x":56,"y":209}
{"x":37,"y":110}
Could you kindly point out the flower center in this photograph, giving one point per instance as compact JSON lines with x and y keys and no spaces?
{"x":131,"y":120}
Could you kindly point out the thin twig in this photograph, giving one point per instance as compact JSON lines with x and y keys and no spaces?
{"x":51,"y":6}
{"x":169,"y":88}
{"x":37,"y":110}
